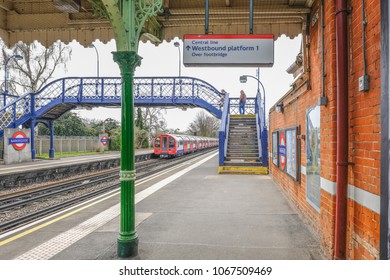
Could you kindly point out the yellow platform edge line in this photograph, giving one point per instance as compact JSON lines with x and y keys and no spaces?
{"x":242,"y":170}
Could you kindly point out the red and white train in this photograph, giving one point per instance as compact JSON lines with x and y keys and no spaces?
{"x":172,"y":145}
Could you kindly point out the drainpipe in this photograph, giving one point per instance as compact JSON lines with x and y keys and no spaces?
{"x":342,"y":130}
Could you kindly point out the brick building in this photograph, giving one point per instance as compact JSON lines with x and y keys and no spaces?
{"x":325,"y":142}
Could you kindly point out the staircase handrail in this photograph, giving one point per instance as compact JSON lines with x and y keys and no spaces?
{"x":262,"y":132}
{"x":258,"y":122}
{"x":224,"y":130}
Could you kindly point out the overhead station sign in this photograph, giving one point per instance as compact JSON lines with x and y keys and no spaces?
{"x":228,"y":50}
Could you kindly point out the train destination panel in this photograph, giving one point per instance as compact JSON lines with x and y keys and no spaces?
{"x":228,"y":50}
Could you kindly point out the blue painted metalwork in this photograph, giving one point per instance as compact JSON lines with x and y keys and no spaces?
{"x":224,"y":130}
{"x":32,"y":138}
{"x":51,"y":149}
{"x":65,"y":94}
{"x":262,"y":131}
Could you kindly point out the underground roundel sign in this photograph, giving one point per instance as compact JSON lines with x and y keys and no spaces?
{"x":282,"y":150}
{"x":19,"y":140}
{"x":104,"y":140}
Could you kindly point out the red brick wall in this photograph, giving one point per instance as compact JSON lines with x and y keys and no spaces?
{"x":364,"y":132}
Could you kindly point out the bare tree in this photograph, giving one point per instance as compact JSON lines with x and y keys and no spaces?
{"x":37,"y":66}
{"x":154,"y":120}
{"x":204,"y":125}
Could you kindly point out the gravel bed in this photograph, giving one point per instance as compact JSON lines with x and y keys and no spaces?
{"x":34,"y":207}
{"x":16,"y":189}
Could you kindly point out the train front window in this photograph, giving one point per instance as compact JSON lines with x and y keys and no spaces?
{"x":157,"y":142}
{"x":171,"y":143}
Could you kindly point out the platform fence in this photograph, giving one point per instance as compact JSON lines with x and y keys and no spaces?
{"x":63,"y":144}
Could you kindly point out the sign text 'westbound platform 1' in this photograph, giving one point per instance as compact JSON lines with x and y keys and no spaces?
{"x":228,"y":50}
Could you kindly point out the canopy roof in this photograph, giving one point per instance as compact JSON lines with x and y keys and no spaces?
{"x":50,"y":20}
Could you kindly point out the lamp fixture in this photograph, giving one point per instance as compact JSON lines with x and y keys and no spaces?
{"x":279,"y":108}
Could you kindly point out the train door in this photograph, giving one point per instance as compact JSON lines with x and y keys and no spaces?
{"x":179,"y":145}
{"x":172,"y":146}
{"x":191,"y":144}
{"x":164,"y":146}
{"x":157,"y":145}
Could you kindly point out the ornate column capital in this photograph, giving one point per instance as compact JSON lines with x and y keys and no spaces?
{"x":127,"y":61}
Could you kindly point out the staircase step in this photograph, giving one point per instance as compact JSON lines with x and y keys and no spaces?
{"x":235,"y":163}
{"x":244,"y":170}
{"x":242,"y":159}
{"x":236,"y":152}
{"x":242,"y":116}
{"x":246,"y":143}
{"x":242,"y":131}
{"x":242,"y":137}
{"x":243,"y":143}
{"x":242,"y":156}
{"x":242,"y":152}
{"x":236,"y":121}
{"x":242,"y":124}
{"x":243,"y":149}
{"x":240,"y":134}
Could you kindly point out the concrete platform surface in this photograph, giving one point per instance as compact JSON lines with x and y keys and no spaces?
{"x":201,"y":216}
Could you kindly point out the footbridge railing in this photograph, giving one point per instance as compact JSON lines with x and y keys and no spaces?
{"x":64,"y":94}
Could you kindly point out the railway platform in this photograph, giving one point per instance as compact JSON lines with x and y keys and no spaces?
{"x":43,"y":170}
{"x":186,"y":213}
{"x":45,"y":163}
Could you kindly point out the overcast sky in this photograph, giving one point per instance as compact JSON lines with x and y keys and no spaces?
{"x":163,"y":61}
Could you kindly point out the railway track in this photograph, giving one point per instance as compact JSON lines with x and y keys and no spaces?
{"x":23,"y":207}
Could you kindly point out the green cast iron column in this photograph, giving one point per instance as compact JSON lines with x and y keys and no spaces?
{"x":128,"y":239}
{"x":127,"y":18}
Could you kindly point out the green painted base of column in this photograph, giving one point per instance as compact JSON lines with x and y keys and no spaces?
{"x":127,"y":248}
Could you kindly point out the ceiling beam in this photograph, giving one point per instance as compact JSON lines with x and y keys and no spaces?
{"x":231,"y":11}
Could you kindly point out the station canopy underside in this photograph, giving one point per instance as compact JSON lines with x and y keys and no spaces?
{"x":50,"y":20}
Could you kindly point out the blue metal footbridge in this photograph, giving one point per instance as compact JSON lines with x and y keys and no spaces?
{"x":65,"y":94}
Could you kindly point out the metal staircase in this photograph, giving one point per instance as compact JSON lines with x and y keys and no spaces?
{"x":243,"y":139}
{"x":243,"y":148}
